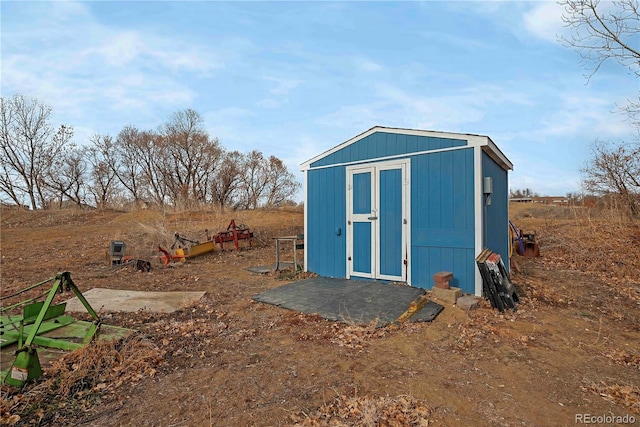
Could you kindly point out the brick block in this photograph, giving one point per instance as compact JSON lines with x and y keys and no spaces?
{"x":449,"y":296}
{"x":443,"y":275}
{"x":441,"y":279}
{"x":467,"y":302}
{"x":442,"y":285}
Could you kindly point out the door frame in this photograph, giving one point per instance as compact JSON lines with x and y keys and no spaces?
{"x":405,"y":166}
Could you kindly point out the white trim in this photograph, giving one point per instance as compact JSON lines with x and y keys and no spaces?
{"x":353,"y":218}
{"x":496,"y":154}
{"x":306,"y":220}
{"x":374,"y":169}
{"x":472,"y":140}
{"x":407,"y":226}
{"x":387,"y":158}
{"x":478,"y":214}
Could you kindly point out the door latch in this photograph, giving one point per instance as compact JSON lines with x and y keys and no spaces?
{"x":371,"y":218}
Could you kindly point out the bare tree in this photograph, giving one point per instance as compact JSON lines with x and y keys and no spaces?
{"x":264,"y":182}
{"x":66,"y":176}
{"x":604,"y":32}
{"x":253,"y":180}
{"x":227,"y":178}
{"x":191,"y":158}
{"x":281,"y":184}
{"x":614,"y":170}
{"x":102,"y":180}
{"x":28,"y":145}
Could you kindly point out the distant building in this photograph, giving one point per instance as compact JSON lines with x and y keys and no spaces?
{"x":551,"y":200}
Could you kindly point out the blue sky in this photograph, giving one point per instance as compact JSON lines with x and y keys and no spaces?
{"x":294,"y":79}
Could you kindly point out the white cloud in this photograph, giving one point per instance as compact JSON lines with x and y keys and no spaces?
{"x":544,"y":20}
{"x":282,"y":85}
{"x":366,"y":64}
{"x":71,"y":61}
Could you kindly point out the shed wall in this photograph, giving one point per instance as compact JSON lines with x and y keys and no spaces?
{"x":381,"y":144}
{"x":326,"y":210}
{"x":442,"y":218}
{"x":497,"y":214}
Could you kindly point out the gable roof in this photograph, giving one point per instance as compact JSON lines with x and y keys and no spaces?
{"x":472,"y":140}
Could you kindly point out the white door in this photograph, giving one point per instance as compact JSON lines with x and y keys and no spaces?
{"x":377,"y":220}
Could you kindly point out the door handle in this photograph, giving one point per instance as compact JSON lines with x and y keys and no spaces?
{"x":371,"y":218}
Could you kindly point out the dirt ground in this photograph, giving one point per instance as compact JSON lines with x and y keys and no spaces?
{"x":571,"y":348}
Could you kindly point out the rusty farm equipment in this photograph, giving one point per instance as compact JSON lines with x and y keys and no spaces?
{"x":234,"y":233}
{"x":184,"y":248}
{"x":525,"y":244}
{"x":43,"y":326}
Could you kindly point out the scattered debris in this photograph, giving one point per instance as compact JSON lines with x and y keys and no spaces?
{"x":625,"y":395}
{"x":117,"y":257}
{"x":368,"y":410}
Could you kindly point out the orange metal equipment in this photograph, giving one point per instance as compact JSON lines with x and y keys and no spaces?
{"x":234,"y":233}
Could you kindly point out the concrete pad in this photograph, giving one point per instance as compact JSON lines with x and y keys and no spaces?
{"x":122,"y":300}
{"x":449,"y":296}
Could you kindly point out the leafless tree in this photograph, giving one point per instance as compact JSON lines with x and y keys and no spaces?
{"x":134,"y":164}
{"x":614,"y":170}
{"x":602,"y":31}
{"x":253,"y":180}
{"x":28,"y":145}
{"x":264,"y":182}
{"x":227,"y":178}
{"x":191,"y":158}
{"x":281,"y":184}
{"x":102,"y":181}
{"x":66,"y":176}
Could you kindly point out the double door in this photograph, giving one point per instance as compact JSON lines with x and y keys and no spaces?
{"x":377,"y":220}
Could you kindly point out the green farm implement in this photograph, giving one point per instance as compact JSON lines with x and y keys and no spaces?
{"x":44,"y":326}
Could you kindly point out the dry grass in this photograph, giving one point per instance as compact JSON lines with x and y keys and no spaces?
{"x":399,"y":411}
{"x":579,"y":295}
{"x":81,"y":379}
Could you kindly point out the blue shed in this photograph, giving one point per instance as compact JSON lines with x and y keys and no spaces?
{"x":403,"y":204}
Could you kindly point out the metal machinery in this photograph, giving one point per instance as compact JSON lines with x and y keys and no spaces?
{"x":117,"y":258}
{"x":117,"y":250}
{"x":43,"y":325}
{"x":183,"y":248}
{"x":234,"y":233}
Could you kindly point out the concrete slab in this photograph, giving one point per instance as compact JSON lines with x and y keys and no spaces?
{"x":351,"y":301}
{"x":450,"y":296}
{"x":122,"y":300}
{"x":467,"y":302}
